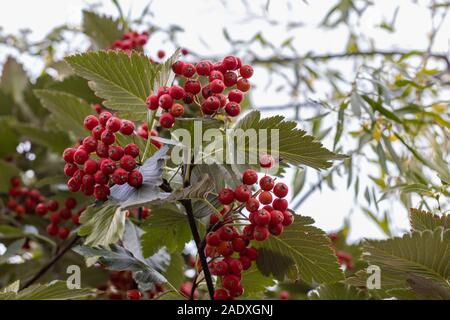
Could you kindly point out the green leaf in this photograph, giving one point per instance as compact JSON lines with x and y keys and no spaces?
{"x":166,"y":227}
{"x":377,"y":106}
{"x":123,"y":81}
{"x":7,"y":171}
{"x":337,"y":291}
{"x":102,"y":30}
{"x":102,"y":225}
{"x":8,"y":137}
{"x":425,"y":220}
{"x":56,"y":290}
{"x":76,"y":86}
{"x":197,"y":191}
{"x":56,"y":140}
{"x":14,"y":80}
{"x":403,"y":261}
{"x":128,"y":197}
{"x":295,"y":146}
{"x":67,"y":110}
{"x":301,"y":252}
{"x":255,"y":283}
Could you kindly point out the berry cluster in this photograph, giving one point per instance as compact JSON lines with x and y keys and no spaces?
{"x":226,"y":238}
{"x":131,"y":40}
{"x":227,"y":81}
{"x":115,"y":165}
{"x":25,"y":201}
{"x":121,"y":285}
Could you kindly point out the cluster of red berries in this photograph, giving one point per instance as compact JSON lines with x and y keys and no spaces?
{"x":25,"y":201}
{"x":226,"y":239}
{"x":115,"y":164}
{"x":131,"y":40}
{"x":227,"y":81}
{"x":143,"y":131}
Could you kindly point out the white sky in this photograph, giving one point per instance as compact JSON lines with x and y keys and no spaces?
{"x":205,"y":19}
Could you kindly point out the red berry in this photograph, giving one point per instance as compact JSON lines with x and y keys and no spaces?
{"x":226,"y":196}
{"x":246,"y":262}
{"x":220,"y":268}
{"x":262,"y":217}
{"x":162,"y":91}
{"x":68,"y":155}
{"x":90,"y":166}
{"x":102,"y":150}
{"x":246,"y":71}
{"x":15,"y":181}
{"x":266,"y":161}
{"x":213,"y":239}
{"x":233,"y":109}
{"x":101,"y":178}
{"x":217,"y":86}
{"x":235,"y":96}
{"x":276,"y":229}
{"x":280,"y":204}
{"x":70,"y":169}
{"x":108,"y":166}
{"x":120,"y":176}
{"x":266,"y":183}
{"x":216,"y":75}
{"x":203,"y":68}
{"x":276,"y":217}
{"x":90,"y":144}
{"x":80,"y":156}
{"x":222,"y":98}
{"x":221,"y":294}
{"x":225,"y":248}
{"x":127,"y":127}
{"x":97,"y":132}
{"x":177,"y":67}
{"x":70,"y":203}
{"x":55,"y":218}
{"x":281,"y":190}
{"x":238,"y":292}
{"x":135,"y":179}
{"x":52,"y":229}
{"x":152,"y":102}
{"x":184,"y":51}
{"x":63,"y":233}
{"x":132,"y":150}
{"x":247,"y":232}
{"x":188,"y":98}
{"x":101,"y":192}
{"x":52,"y":205}
{"x":231,"y":282}
{"x":252,"y":253}
{"x":104,"y":117}
{"x":230,"y":78}
{"x":128,"y":163}
{"x":230,"y":63}
{"x":176,"y":92}
{"x":243,"y":85}
{"x":235,"y":267}
{"x":239,"y":244}
{"x":206,"y":91}
{"x":242,"y":193}
{"x":288,"y":218}
{"x":90,"y":122}
{"x":134,"y":294}
{"x":108,"y":137}
{"x":211,"y":103}
{"x":252,"y":205}
{"x":165,"y":101}
{"x":226,"y":233}
{"x":177,"y":110}
{"x":41,"y":209}
{"x":116,"y":153}
{"x":166,"y":120}
{"x":265,"y":197}
{"x":65,"y":213}
{"x":161,"y":54}
{"x":188,"y":70}
{"x":283,"y":295}
{"x":193,"y":86}
{"x":250,"y":177}
{"x":88,"y":182}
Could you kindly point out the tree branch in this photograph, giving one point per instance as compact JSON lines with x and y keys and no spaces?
{"x":51,"y":263}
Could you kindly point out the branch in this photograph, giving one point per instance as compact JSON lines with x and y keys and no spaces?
{"x":388,"y":53}
{"x":51,"y":263}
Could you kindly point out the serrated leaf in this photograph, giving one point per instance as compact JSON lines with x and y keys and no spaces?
{"x":295,"y":146}
{"x":197,"y":191}
{"x":424,"y":220}
{"x":255,"y":283}
{"x":424,"y":255}
{"x":102,"y":225}
{"x":337,"y":291}
{"x":301,"y":252}
{"x":166,"y":227}
{"x":165,"y":75}
{"x":76,"y":86}
{"x":68,"y":110}
{"x":56,"y":290}
{"x":118,"y":258}
{"x":127,"y":197}
{"x":123,"y":81}
{"x":102,"y":30}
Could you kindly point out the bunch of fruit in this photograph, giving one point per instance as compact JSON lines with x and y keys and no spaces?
{"x":130,"y":41}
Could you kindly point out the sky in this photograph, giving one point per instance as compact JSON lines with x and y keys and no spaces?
{"x":203,"y":22}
